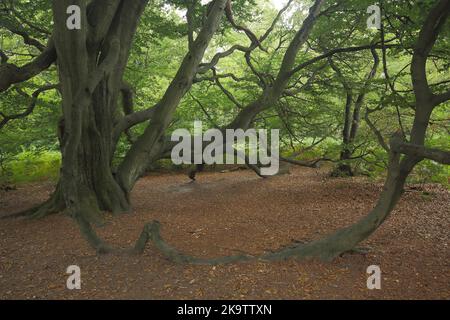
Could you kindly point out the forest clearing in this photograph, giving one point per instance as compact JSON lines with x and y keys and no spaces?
{"x":199,"y":218}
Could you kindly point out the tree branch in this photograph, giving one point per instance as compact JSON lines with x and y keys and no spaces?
{"x":11,"y":74}
{"x":336,"y":51}
{"x":30,"y":107}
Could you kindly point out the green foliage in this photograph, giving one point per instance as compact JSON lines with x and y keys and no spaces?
{"x":431,"y":172}
{"x":29,"y":147}
{"x":31,"y":165}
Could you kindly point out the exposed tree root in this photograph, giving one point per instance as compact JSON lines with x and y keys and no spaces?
{"x":359,"y":250}
{"x":328,"y":248}
{"x":53,"y":205}
{"x":151,"y":233}
{"x":22,"y":214}
{"x":48,"y":208}
{"x":85,"y":210}
{"x":91,"y":236}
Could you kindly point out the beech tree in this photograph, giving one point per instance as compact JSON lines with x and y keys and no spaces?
{"x":404,"y":155}
{"x":91,"y":63}
{"x":97,"y":108}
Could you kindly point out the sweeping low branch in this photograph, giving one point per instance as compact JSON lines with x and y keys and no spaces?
{"x":308,"y":164}
{"x":11,"y":74}
{"x":27,"y":39}
{"x":422,"y":152}
{"x":133,"y":119}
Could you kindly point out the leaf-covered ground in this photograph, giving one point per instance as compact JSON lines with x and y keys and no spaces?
{"x":229,"y":213}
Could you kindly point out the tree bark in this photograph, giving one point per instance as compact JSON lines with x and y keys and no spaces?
{"x":91,"y":62}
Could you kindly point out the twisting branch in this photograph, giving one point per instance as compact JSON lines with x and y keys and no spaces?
{"x":30,"y":107}
{"x":218,"y":76}
{"x":336,"y":51}
{"x":27,"y":39}
{"x":225,"y":91}
{"x":11,"y":74}
{"x":211,"y":120}
{"x":150,"y":144}
{"x":229,"y":14}
{"x":205,"y":67}
{"x":259,"y":75}
{"x":374,"y":129}
{"x":272,"y":93}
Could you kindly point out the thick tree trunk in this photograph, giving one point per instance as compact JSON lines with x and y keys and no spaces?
{"x":86,"y":166}
{"x":91,"y":62}
{"x":96,"y":151}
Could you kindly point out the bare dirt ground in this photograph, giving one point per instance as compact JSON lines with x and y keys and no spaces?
{"x":229,"y":213}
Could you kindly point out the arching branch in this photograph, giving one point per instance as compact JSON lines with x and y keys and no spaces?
{"x":11,"y":74}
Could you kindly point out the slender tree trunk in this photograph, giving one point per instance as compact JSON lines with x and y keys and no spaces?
{"x":344,"y":167}
{"x":351,"y":121}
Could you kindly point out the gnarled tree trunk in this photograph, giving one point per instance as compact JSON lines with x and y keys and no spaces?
{"x":91,"y":62}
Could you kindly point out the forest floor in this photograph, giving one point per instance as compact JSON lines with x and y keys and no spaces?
{"x":229,"y":213}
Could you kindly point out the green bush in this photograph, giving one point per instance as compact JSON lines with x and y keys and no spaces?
{"x":429,"y":171}
{"x":31,"y":165}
